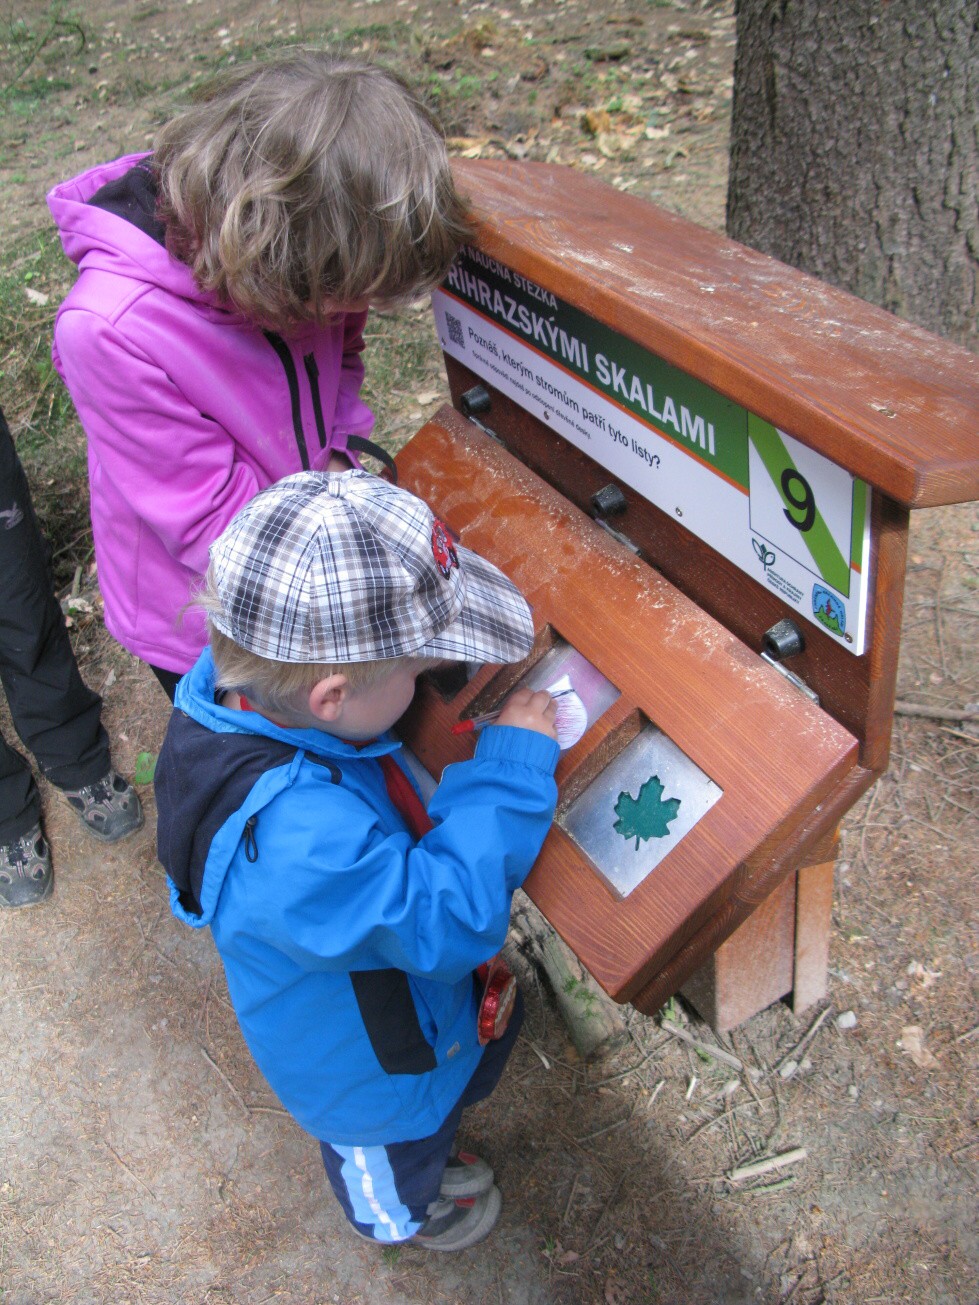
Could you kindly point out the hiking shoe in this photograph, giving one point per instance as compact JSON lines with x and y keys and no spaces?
{"x":26,"y":876}
{"x":454,"y":1225}
{"x":110,"y":808}
{"x":465,"y":1175}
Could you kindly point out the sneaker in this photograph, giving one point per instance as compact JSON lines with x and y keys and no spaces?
{"x":465,"y":1175}
{"x":110,"y":808}
{"x":26,"y":875}
{"x":454,"y":1225}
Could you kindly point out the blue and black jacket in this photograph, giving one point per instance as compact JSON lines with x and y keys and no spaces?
{"x":348,"y":944}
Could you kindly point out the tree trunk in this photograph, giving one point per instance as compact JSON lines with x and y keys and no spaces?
{"x":854,"y":149}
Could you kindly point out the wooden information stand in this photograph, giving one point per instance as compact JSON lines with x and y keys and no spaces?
{"x":698,"y":465}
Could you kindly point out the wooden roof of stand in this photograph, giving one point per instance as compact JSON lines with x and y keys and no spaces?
{"x":891,"y":403}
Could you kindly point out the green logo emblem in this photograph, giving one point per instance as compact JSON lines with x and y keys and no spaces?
{"x":645,"y":816}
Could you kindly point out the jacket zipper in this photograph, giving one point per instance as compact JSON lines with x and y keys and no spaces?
{"x":292,"y":377}
{"x":313,"y":373}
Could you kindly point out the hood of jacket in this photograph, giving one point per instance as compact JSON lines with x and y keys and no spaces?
{"x":232,"y":764}
{"x":94,"y":237}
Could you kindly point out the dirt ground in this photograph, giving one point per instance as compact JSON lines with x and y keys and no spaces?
{"x":142,"y":1158}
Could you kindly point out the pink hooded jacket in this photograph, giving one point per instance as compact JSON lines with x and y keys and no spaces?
{"x":189,"y":408}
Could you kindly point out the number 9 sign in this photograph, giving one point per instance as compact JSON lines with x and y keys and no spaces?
{"x":801,"y":504}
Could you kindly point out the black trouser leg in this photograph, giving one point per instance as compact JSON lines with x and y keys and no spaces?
{"x":20,"y":802}
{"x":57,"y":717}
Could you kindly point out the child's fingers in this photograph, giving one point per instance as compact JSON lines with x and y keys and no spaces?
{"x":545,"y":704}
{"x":531,"y":710}
{"x":519,"y":698}
{"x":533,"y":701}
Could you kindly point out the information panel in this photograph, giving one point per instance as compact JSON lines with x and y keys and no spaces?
{"x":786,"y":516}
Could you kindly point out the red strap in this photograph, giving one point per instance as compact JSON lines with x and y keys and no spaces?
{"x":402,"y":793}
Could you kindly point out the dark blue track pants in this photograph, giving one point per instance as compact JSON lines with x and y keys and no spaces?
{"x":386,"y":1191}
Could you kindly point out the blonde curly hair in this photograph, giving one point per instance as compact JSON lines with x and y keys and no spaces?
{"x":309,"y":183}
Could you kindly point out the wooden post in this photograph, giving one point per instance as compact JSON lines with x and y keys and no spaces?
{"x":813,"y":927}
{"x":782,"y":948}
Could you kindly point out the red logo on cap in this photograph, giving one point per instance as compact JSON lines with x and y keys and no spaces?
{"x":443,"y":549}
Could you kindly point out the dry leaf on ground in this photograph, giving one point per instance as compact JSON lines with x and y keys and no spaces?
{"x":912,"y":1043}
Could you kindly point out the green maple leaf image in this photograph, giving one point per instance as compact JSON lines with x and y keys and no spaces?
{"x":645,"y":816}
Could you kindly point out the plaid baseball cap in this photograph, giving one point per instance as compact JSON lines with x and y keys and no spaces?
{"x":346,"y":567}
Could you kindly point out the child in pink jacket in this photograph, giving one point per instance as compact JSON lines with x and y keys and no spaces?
{"x":211,"y":344}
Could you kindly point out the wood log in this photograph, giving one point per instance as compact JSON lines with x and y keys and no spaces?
{"x":593,"y":1020}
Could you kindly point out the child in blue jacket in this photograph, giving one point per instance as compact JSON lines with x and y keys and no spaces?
{"x":349,"y":921}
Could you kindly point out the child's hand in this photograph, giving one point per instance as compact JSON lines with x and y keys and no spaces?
{"x":530,"y":710}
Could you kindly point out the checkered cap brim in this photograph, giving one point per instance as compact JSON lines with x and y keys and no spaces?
{"x":332,"y":568}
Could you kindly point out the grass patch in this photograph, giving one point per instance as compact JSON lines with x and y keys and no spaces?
{"x":454,"y":96}
{"x":34,"y":278}
{"x":401,"y":359}
{"x":379,"y":36}
{"x":32,"y":48}
{"x":25,"y":96}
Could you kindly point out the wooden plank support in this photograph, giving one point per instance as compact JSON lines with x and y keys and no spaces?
{"x":813,"y":928}
{"x":782,"y":948}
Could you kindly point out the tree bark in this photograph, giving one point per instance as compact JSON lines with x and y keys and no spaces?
{"x":854,"y":149}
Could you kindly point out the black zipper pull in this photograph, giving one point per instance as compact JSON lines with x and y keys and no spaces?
{"x":251,"y":843}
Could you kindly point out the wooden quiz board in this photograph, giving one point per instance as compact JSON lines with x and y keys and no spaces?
{"x":770,"y":752}
{"x":766,"y":436}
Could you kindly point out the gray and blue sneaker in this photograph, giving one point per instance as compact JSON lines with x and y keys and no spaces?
{"x":26,"y":875}
{"x":110,"y":808}
{"x":456,"y":1225}
{"x":465,"y":1175}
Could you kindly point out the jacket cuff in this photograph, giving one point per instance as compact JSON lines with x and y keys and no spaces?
{"x":510,"y":743}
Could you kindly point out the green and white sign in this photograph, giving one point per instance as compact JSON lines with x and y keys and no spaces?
{"x":786,"y":516}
